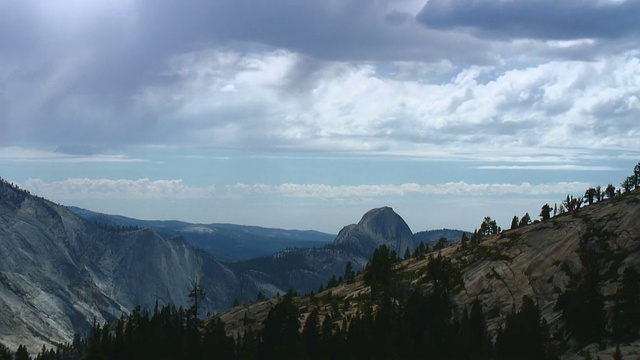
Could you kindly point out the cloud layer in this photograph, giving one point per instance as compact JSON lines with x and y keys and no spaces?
{"x":441,"y":78}
{"x":145,"y":189}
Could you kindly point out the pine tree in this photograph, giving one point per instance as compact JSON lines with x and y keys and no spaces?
{"x":610,"y":191}
{"x":5,"y":353}
{"x":22,"y":353}
{"x":311,"y":336}
{"x":195,"y":296}
{"x":545,"y":212}
{"x":525,"y":220}
{"x":514,"y":222}
{"x":618,"y":354}
{"x":280,"y":336}
{"x":349,"y":273}
{"x":626,"y":314}
{"x":525,"y":334}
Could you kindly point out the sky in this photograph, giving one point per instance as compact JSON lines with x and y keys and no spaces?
{"x":307,"y":113}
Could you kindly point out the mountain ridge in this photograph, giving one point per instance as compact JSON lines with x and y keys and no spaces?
{"x":227,"y":242}
{"x":545,"y":261}
{"x":60,"y":271}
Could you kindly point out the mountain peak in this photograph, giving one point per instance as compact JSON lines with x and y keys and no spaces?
{"x":378,"y":226}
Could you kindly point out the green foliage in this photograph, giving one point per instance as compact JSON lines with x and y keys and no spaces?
{"x":378,"y":272}
{"x":545,"y":212}
{"x":442,"y":273}
{"x":349,"y":273}
{"x":525,"y":334}
{"x":440,"y":244}
{"x":583,"y":310}
{"x":473,"y":335}
{"x":610,"y":191}
{"x":22,"y":353}
{"x":421,"y":250}
{"x":515,"y":222}
{"x":572,"y":204}
{"x":280,"y":336}
{"x":5,"y":353}
{"x":525,"y":220}
{"x":626,"y":314}
{"x":617,"y":355}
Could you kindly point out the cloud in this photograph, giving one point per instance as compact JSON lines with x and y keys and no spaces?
{"x":361,"y":107}
{"x":547,"y":167}
{"x":325,"y":76}
{"x":535,"y":19}
{"x":120,"y":189}
{"x":145,"y":189}
{"x":368,"y":191}
{"x":20,"y":154}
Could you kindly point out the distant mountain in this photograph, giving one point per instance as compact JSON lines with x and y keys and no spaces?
{"x":59,"y":271}
{"x":378,"y":226}
{"x":432,"y":236}
{"x":227,"y":242}
{"x":304,"y":270}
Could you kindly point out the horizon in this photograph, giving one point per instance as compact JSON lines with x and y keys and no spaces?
{"x":306,"y":115}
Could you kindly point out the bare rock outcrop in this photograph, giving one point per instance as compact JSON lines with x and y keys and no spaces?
{"x":59,"y":272}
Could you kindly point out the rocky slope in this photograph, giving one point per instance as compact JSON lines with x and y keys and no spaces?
{"x":58,"y":272}
{"x":538,"y":260}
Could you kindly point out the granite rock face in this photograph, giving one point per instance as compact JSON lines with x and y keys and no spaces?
{"x":378,"y":226}
{"x":58,"y":272}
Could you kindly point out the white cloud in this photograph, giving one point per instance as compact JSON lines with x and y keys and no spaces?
{"x":122,"y":189}
{"x":369,"y":191}
{"x":145,"y":189}
{"x":543,"y":167}
{"x":361,"y":107}
{"x":22,"y":154}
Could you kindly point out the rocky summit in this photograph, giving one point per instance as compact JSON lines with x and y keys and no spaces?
{"x":378,"y":226}
{"x":305,"y":270}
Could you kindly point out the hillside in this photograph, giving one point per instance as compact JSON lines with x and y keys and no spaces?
{"x":305,"y":270}
{"x":59,"y":272}
{"x":550,"y":262}
{"x":227,"y":242}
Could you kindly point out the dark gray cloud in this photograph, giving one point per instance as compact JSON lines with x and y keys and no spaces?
{"x":81,"y":78}
{"x":536,"y":19}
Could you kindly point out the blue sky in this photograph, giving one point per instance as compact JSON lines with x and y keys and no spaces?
{"x":307,"y":114}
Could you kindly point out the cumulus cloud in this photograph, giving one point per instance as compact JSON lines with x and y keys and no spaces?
{"x":380,"y":76}
{"x":236,"y":99}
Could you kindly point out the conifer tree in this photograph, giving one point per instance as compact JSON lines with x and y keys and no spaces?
{"x":22,"y":353}
{"x":514,"y":222}
{"x":545,"y":212}
{"x":626,"y":315}
{"x":524,"y":335}
{"x":5,"y":353}
{"x":311,"y":335}
{"x":617,"y":355}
